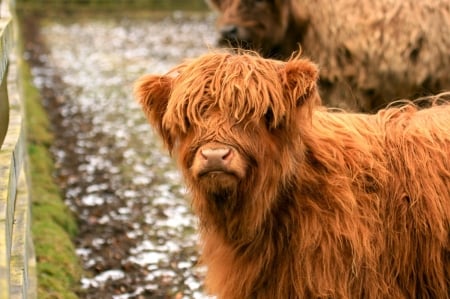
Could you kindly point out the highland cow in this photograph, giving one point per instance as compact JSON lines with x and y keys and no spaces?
{"x":369,"y":52}
{"x":296,"y":201}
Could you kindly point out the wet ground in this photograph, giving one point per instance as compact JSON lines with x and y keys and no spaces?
{"x":137,"y":234}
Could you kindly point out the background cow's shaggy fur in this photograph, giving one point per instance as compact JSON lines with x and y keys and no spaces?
{"x":369,"y":52}
{"x":298,"y":202}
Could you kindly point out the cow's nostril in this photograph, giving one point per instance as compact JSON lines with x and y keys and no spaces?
{"x":229,"y":32}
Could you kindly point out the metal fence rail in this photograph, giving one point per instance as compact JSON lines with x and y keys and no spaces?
{"x":17,"y":260}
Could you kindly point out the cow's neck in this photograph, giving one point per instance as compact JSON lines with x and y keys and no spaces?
{"x":271,"y":243}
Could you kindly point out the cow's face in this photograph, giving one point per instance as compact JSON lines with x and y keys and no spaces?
{"x":234,"y":122}
{"x":259,"y":25}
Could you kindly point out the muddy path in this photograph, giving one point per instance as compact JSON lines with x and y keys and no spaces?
{"x":137,"y":233}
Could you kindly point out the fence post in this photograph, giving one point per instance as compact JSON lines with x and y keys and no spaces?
{"x":4,"y":103}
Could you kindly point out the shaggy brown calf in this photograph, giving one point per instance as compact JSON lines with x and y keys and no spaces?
{"x":369,"y":52}
{"x":298,"y":202}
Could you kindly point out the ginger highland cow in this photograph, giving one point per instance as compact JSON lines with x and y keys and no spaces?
{"x":369,"y":52}
{"x":295,"y":201}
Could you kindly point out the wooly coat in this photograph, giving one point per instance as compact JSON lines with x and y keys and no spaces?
{"x":369,"y":52}
{"x":295,"y":201}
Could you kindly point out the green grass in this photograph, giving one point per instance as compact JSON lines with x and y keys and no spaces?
{"x":53,"y":225}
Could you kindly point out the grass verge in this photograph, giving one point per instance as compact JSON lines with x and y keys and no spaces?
{"x":53,"y":225}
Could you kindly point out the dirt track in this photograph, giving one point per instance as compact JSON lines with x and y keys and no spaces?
{"x":137,"y":234}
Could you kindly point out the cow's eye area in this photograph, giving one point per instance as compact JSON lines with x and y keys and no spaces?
{"x":262,"y":2}
{"x":187,"y":123}
{"x":269,"y":118}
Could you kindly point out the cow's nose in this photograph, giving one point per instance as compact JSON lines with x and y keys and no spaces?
{"x":218,"y":161}
{"x":229,"y":32}
{"x":216,"y":156}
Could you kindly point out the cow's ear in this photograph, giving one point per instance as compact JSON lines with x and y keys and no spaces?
{"x":153,"y":92}
{"x":299,"y":78}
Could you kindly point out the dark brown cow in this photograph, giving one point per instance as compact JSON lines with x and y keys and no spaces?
{"x":274,"y":28}
{"x":369,"y":52}
{"x":298,"y":202}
